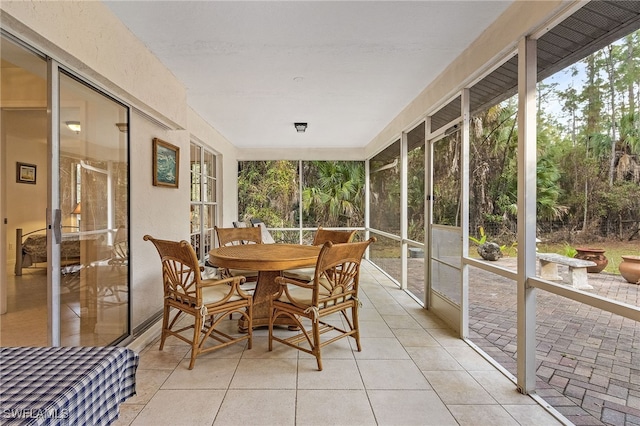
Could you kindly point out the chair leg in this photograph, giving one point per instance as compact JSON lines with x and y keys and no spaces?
{"x":316,"y":343}
{"x":165,"y":324}
{"x":197,"y":326}
{"x":356,"y":326}
{"x":250,"y":330}
{"x":271,"y":315}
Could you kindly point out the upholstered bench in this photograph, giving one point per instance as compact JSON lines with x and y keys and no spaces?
{"x":577,"y":269}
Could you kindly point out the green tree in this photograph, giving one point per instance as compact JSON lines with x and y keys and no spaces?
{"x":333,"y":193}
{"x":268,"y":190}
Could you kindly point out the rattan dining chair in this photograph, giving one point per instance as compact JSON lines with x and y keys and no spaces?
{"x":208,"y":301}
{"x":335,"y":236}
{"x":321,"y":236}
{"x":334,"y":289}
{"x":267,"y":238}
{"x":238,"y":236}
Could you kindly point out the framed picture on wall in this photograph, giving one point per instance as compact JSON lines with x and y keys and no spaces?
{"x":26,"y":173}
{"x":166,"y":163}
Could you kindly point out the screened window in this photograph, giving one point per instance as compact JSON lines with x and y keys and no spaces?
{"x":204,"y":202}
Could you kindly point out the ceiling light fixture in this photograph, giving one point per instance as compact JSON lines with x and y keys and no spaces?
{"x":74,"y":126}
{"x":300,"y":127}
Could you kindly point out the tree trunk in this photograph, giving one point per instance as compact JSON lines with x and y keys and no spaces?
{"x":612,"y":93}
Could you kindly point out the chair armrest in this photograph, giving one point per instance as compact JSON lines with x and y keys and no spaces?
{"x":232,"y":282}
{"x":214,"y":281}
{"x":284,"y":281}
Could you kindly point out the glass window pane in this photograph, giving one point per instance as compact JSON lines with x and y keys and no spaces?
{"x":24,"y":82}
{"x":207,"y":216}
{"x":195,"y":154}
{"x":203,"y":196}
{"x":209,"y":239}
{"x":195,"y":172}
{"x":209,"y":190}
{"x":195,"y":218}
{"x":90,"y":139}
{"x":209,"y":166}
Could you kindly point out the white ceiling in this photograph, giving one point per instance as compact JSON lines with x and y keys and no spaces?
{"x":253,"y":68}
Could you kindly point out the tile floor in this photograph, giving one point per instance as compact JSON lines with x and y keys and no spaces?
{"x":412,"y":371}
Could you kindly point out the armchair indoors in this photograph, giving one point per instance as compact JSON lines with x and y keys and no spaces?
{"x":334,"y":289}
{"x":208,"y":301}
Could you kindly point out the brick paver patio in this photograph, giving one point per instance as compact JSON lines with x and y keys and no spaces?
{"x":588,"y":360}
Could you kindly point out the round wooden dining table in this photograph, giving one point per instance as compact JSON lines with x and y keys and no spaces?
{"x":269,"y":260}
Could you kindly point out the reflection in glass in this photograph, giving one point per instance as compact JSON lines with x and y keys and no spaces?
{"x":209,"y":176}
{"x":24,"y":138}
{"x":196,"y":173}
{"x":204,"y":205}
{"x":94,"y":174}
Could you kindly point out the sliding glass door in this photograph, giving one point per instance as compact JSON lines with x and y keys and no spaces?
{"x":65,"y":207}
{"x":93,"y":204}
{"x":23,"y":285}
